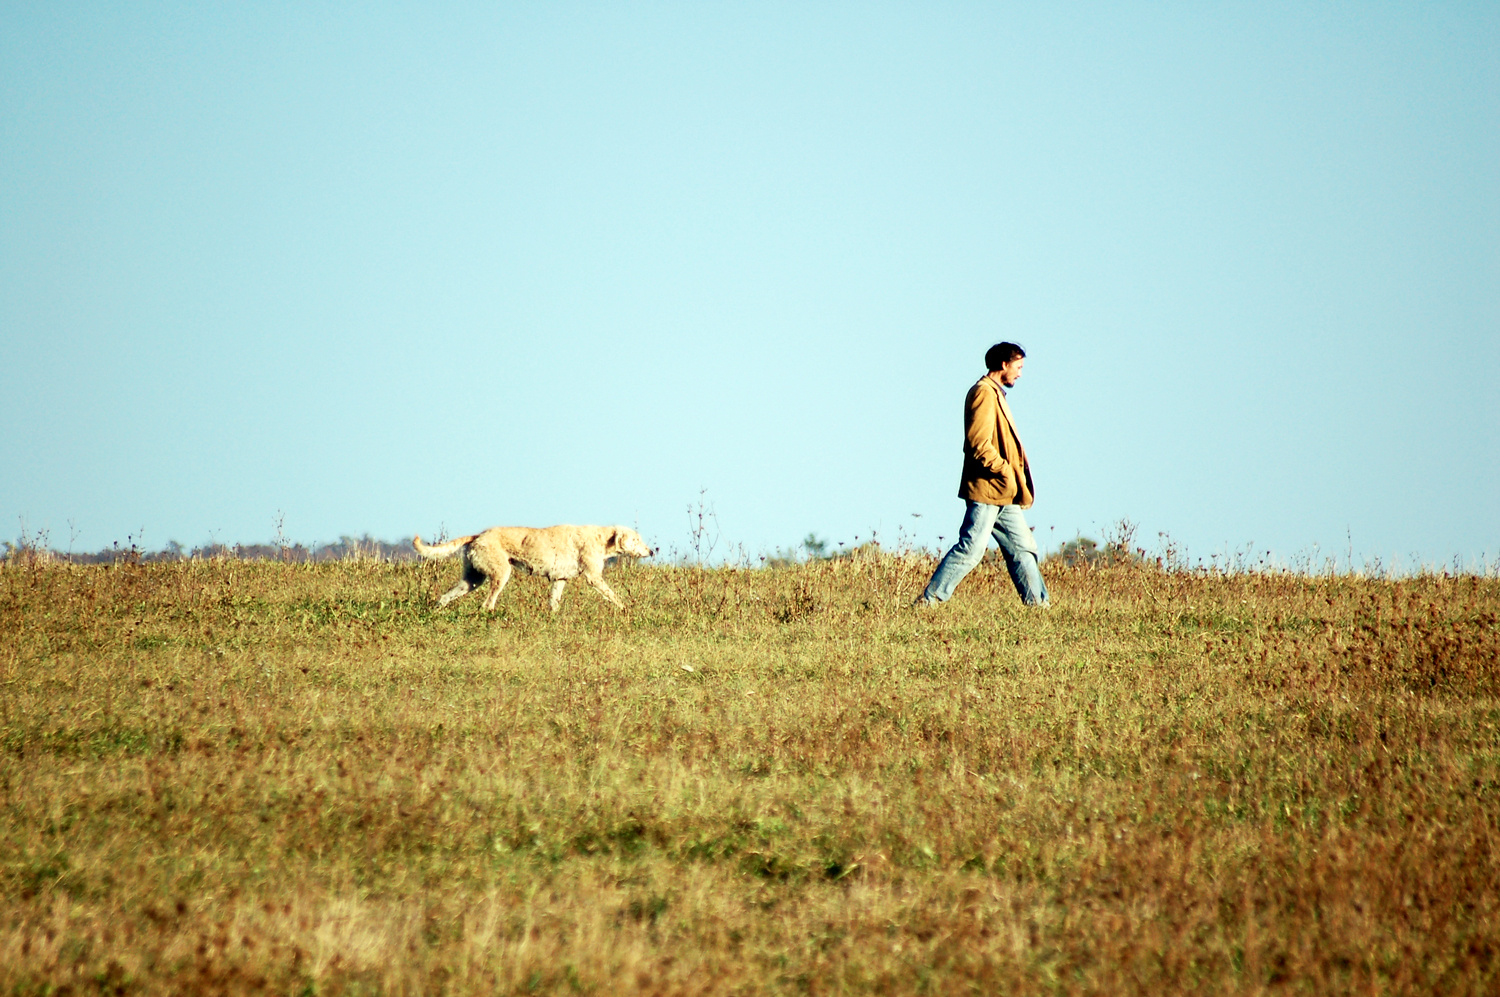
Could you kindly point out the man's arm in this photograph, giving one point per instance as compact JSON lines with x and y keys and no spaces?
{"x":981,"y":430}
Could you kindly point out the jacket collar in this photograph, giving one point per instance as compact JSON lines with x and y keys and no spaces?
{"x":1004,"y":406}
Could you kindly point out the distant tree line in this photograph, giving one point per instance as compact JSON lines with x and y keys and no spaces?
{"x":1084,"y":551}
{"x":815,"y":548}
{"x":347,"y":548}
{"x":1078,"y":551}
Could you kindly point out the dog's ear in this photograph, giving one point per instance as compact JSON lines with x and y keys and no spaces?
{"x":613,"y":542}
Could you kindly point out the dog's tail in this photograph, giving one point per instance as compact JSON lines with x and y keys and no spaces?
{"x":442,"y":550}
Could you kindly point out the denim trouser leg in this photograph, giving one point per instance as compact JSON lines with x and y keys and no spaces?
{"x":1018,"y":545}
{"x":1008,"y":525}
{"x":963,"y":556}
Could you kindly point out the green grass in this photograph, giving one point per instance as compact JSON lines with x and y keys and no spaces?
{"x":245,"y":777}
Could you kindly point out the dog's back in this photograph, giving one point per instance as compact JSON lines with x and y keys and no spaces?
{"x":555,"y":552}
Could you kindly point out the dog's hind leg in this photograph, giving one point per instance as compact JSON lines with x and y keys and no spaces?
{"x":472,"y":577}
{"x":556,"y":598}
{"x":497,"y":582}
{"x":461,"y":588}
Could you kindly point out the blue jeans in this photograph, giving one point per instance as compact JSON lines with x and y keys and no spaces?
{"x":1016,"y":542}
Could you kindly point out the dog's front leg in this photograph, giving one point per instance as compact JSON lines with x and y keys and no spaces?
{"x":602,"y":587}
{"x":556,"y":599}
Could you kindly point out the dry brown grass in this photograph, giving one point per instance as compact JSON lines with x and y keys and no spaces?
{"x":235,"y":777}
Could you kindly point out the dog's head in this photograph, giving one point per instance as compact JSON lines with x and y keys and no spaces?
{"x":624,"y":540}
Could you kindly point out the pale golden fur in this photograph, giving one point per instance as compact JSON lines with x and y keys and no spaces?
{"x":557,"y":553}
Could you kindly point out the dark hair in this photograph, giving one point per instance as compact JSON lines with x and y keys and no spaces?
{"x":1000,"y":354}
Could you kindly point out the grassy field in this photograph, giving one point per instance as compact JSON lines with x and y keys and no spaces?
{"x":239,"y":777}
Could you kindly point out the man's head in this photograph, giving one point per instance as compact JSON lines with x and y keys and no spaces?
{"x":1005,"y":361}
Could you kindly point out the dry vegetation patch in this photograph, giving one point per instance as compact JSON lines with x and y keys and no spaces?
{"x":253,"y":776}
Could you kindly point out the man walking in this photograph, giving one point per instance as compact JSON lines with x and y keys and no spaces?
{"x":996,"y":486}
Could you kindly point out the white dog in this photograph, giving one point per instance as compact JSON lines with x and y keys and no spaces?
{"x":557,"y":553}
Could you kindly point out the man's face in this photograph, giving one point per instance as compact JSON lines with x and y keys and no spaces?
{"x":1009,"y":374}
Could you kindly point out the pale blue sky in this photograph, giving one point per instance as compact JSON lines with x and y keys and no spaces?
{"x":394,"y":268}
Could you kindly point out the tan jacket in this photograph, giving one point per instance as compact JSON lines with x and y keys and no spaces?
{"x":993,"y":454}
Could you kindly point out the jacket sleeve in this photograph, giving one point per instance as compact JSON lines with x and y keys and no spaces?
{"x":981,"y":430}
